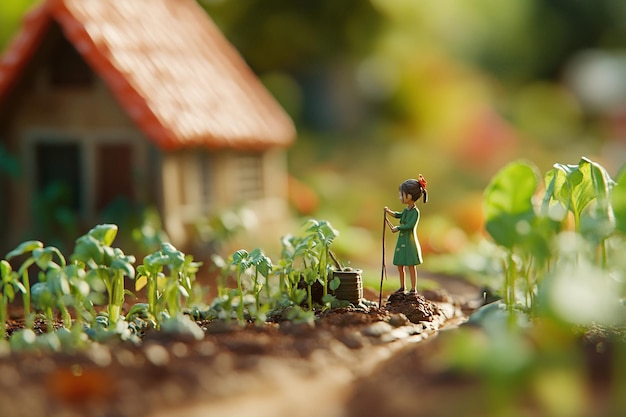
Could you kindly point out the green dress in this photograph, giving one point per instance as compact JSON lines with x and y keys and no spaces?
{"x":408,"y":250}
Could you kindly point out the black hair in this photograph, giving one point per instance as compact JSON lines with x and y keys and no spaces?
{"x":416,"y":188}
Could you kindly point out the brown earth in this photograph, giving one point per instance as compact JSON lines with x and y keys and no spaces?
{"x":333,"y":368}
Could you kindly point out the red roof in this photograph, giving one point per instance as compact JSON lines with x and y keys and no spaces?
{"x":169,"y":66}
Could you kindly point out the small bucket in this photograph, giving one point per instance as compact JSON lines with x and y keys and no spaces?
{"x":350,"y":286}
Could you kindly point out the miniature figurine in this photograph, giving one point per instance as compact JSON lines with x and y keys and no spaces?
{"x":408,"y":251}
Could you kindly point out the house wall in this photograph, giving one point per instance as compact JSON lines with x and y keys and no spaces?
{"x":86,"y":116}
{"x":198,"y":183}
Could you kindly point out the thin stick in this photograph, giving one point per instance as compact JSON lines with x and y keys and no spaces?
{"x":383,"y":273}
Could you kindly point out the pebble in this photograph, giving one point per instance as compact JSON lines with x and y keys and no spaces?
{"x":377,"y":329}
{"x":398,"y":320}
{"x":157,"y":355}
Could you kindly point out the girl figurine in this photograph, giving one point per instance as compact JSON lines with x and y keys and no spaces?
{"x":408,"y":251}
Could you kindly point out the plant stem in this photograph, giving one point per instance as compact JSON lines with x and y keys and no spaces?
{"x":240,"y":288}
{"x":323,"y":269}
{"x":3,"y":316}
{"x":26,"y":295}
{"x":152,"y":295}
{"x":510,"y":282}
{"x":603,"y":254}
{"x":257,"y":293}
{"x":49,"y":320}
{"x":66,"y":317}
{"x":117,"y":298}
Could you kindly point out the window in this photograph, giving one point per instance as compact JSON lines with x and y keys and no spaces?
{"x":114,"y":173}
{"x":195,"y":181}
{"x":206,"y":179}
{"x":250,"y":176}
{"x":58,"y":171}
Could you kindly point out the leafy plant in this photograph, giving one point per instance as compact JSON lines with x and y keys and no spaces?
{"x":509,"y":216}
{"x":109,"y":264}
{"x":529,"y":233}
{"x":575,"y":187}
{"x":323,"y":235}
{"x":96,"y":272}
{"x":8,"y":285}
{"x":240,"y":260}
{"x":23,"y":249}
{"x":262,"y":265}
{"x":164,"y":292}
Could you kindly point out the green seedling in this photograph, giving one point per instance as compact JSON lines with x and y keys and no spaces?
{"x":262,"y":266}
{"x":240,"y":260}
{"x":45,"y":300}
{"x":24,"y":249}
{"x":324,"y":234}
{"x":575,"y":187}
{"x":509,"y":216}
{"x":528,"y":233}
{"x":110,"y":264}
{"x":9,"y":284}
{"x":164,"y":292}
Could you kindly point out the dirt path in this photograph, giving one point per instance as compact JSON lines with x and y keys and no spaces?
{"x":324,"y":386}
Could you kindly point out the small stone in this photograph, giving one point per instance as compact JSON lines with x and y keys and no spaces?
{"x":157,"y":355}
{"x":352,"y":340}
{"x":377,"y":329}
{"x":398,"y":320}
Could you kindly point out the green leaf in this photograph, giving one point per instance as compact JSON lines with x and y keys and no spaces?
{"x":328,"y":232}
{"x":240,"y":257}
{"x":618,"y":202}
{"x":5,"y":269}
{"x":176,"y":259}
{"x":141,"y":282}
{"x":41,"y":295}
{"x":508,"y":203}
{"x":88,"y":248}
{"x":575,"y":186}
{"x":310,"y":275}
{"x":43,"y":257}
{"x":255,"y":256}
{"x":552,"y":207}
{"x":599,"y":222}
{"x":23,"y":248}
{"x":19,"y":286}
{"x":10,"y":292}
{"x":124,"y":266}
{"x":265,"y":266}
{"x":155,"y":260}
{"x":104,"y":233}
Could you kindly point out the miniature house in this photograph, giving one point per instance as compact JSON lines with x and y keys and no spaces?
{"x":143,"y":99}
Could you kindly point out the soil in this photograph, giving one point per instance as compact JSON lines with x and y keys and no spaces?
{"x":351,"y":362}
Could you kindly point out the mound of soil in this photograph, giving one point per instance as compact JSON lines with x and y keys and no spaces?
{"x":415,"y":307}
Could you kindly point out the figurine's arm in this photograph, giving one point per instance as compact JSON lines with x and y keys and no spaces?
{"x":393,"y":228}
{"x":396,"y":214}
{"x":411,"y":221}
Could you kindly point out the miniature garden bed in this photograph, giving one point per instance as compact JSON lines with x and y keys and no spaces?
{"x":278,"y":341}
{"x":273,"y":367}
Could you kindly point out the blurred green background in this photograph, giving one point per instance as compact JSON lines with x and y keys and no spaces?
{"x":383,"y":90}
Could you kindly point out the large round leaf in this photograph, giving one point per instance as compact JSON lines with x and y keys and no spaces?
{"x":508,"y":203}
